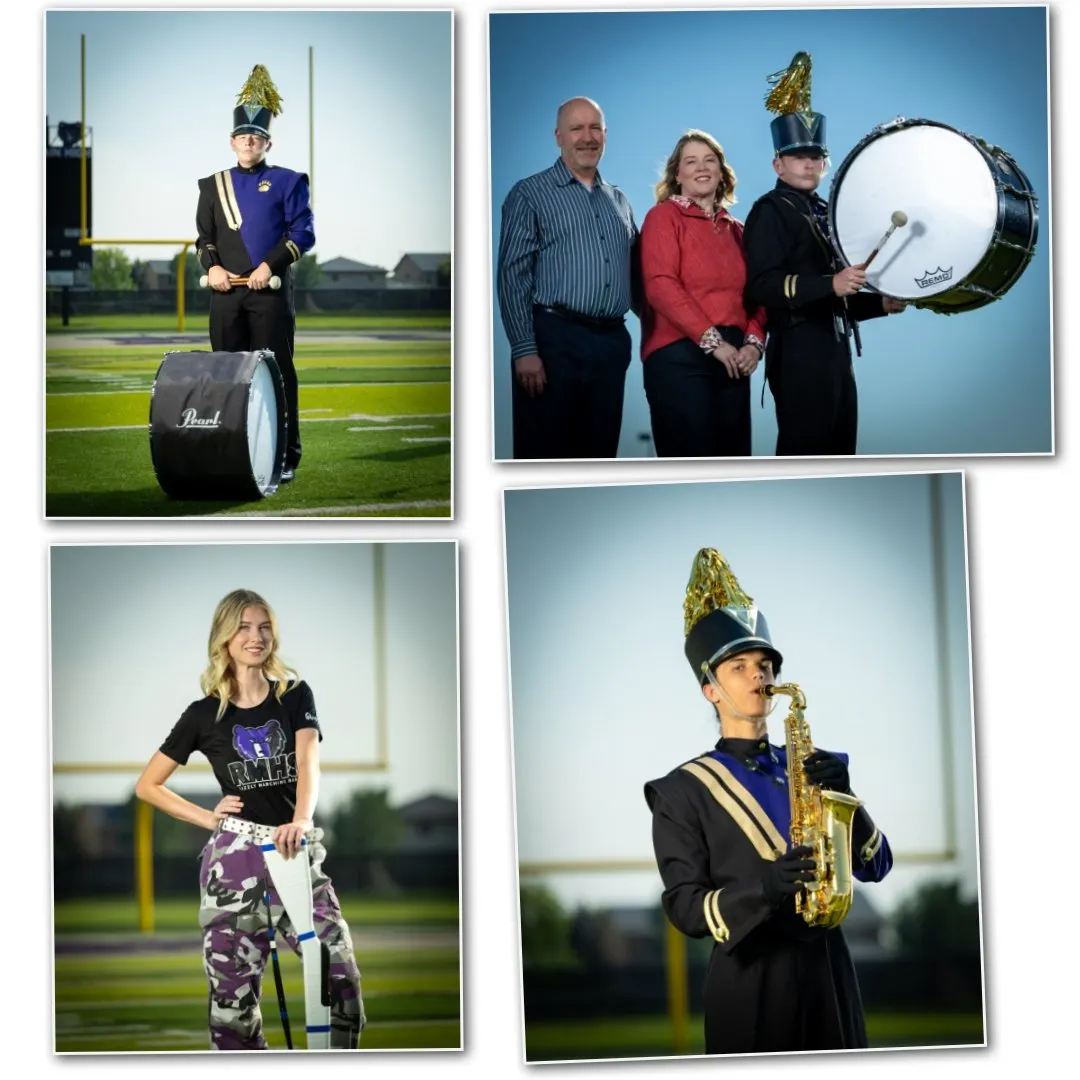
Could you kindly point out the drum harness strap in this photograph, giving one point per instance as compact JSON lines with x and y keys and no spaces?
{"x":844,"y":325}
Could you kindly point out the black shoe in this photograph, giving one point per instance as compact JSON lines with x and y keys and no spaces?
{"x":288,"y":475}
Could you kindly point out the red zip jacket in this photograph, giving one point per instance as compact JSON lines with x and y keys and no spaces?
{"x":694,"y":273}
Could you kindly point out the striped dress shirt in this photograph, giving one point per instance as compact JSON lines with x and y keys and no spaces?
{"x":563,"y":245}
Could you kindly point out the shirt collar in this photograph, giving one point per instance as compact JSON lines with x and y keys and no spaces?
{"x":810,"y":196}
{"x":564,"y":177}
{"x":688,"y":204}
{"x":744,"y":747}
{"x":255,"y":169}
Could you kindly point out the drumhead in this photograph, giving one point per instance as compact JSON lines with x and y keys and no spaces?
{"x":262,"y":428}
{"x":942,"y":181}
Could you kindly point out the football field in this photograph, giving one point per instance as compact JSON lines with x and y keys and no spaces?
{"x":121,"y":991}
{"x":375,"y":404}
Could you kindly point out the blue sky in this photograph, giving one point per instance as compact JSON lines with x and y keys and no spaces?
{"x":863,"y":583}
{"x":161,"y":86}
{"x":979,"y":382}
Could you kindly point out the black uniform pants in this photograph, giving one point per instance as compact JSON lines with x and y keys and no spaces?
{"x":813,"y":384}
{"x":243,"y":320}
{"x":579,"y":412}
{"x":696,"y":408}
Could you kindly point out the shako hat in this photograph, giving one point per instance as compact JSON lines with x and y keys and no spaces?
{"x":719,"y":619}
{"x":257,"y":104}
{"x":796,"y":126}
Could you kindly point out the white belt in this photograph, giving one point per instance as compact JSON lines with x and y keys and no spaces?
{"x":261,"y":834}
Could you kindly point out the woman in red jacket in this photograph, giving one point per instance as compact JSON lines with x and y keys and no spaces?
{"x":699,"y":344}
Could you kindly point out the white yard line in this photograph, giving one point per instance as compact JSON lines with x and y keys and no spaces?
{"x":340,"y":511}
{"x":303,"y":386}
{"x":352,"y":418}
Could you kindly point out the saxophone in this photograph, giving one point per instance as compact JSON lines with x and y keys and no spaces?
{"x":820,"y":819}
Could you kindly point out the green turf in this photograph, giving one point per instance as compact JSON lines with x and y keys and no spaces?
{"x":171,"y":915}
{"x":144,"y":993}
{"x":375,"y":423}
{"x":651,"y":1036}
{"x":195,"y":322}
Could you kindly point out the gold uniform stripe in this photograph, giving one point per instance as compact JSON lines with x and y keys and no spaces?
{"x":294,"y":250}
{"x":713,"y":919}
{"x":227,"y":195}
{"x":738,"y":813}
{"x":755,"y":808}
{"x":787,"y":287}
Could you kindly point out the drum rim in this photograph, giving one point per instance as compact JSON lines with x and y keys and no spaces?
{"x":266,"y":356}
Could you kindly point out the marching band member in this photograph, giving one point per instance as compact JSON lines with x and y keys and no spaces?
{"x":699,"y":345}
{"x":721,"y":824}
{"x":814,"y":305}
{"x":258,"y":728}
{"x":254,"y":220}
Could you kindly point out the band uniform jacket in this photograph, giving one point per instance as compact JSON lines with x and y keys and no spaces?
{"x":249,"y":216}
{"x":790,"y":263}
{"x":773,"y":983}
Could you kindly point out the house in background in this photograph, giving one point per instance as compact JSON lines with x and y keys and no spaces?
{"x":422,"y":270}
{"x":154,"y":274}
{"x":431,"y":824}
{"x":341,"y":273}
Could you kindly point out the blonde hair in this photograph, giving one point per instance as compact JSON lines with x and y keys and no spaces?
{"x":668,"y":186}
{"x":219,"y":679}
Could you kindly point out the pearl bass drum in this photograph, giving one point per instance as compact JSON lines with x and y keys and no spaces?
{"x":972,"y":216}
{"x":217,"y":425}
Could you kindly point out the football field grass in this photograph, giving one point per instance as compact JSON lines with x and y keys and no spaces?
{"x":375,"y":404}
{"x":117,"y":990}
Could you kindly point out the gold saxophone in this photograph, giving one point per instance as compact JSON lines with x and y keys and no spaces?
{"x":819,"y":819}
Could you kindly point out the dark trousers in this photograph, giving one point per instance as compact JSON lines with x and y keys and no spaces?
{"x":813,"y":384}
{"x":696,"y":408}
{"x":243,"y":320}
{"x":579,"y":412}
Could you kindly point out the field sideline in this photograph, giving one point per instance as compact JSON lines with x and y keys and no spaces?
{"x":375,"y":404}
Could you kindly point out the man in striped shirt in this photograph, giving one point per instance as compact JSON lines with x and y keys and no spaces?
{"x":564,"y":290}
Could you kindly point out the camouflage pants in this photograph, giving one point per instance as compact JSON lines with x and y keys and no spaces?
{"x":234,"y":881}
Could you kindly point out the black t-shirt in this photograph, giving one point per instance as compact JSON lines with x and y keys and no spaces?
{"x":252,"y":751}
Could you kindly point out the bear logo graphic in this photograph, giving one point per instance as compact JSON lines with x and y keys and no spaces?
{"x":254,"y":743}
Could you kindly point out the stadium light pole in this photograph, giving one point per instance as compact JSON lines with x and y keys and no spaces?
{"x":311,"y":126}
{"x":82,"y":140}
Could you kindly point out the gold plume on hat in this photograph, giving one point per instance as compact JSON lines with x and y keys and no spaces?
{"x":260,"y":90}
{"x":790,"y":91}
{"x":712,"y":586}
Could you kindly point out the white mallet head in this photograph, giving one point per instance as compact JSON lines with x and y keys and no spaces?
{"x":899,"y":218}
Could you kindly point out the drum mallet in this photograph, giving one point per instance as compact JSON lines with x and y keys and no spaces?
{"x":899,"y":220}
{"x":204,"y":281}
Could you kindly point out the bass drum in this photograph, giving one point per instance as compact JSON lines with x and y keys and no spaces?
{"x":972,"y":216}
{"x":217,"y":425}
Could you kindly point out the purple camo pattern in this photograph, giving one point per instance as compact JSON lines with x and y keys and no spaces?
{"x":232,"y":913}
